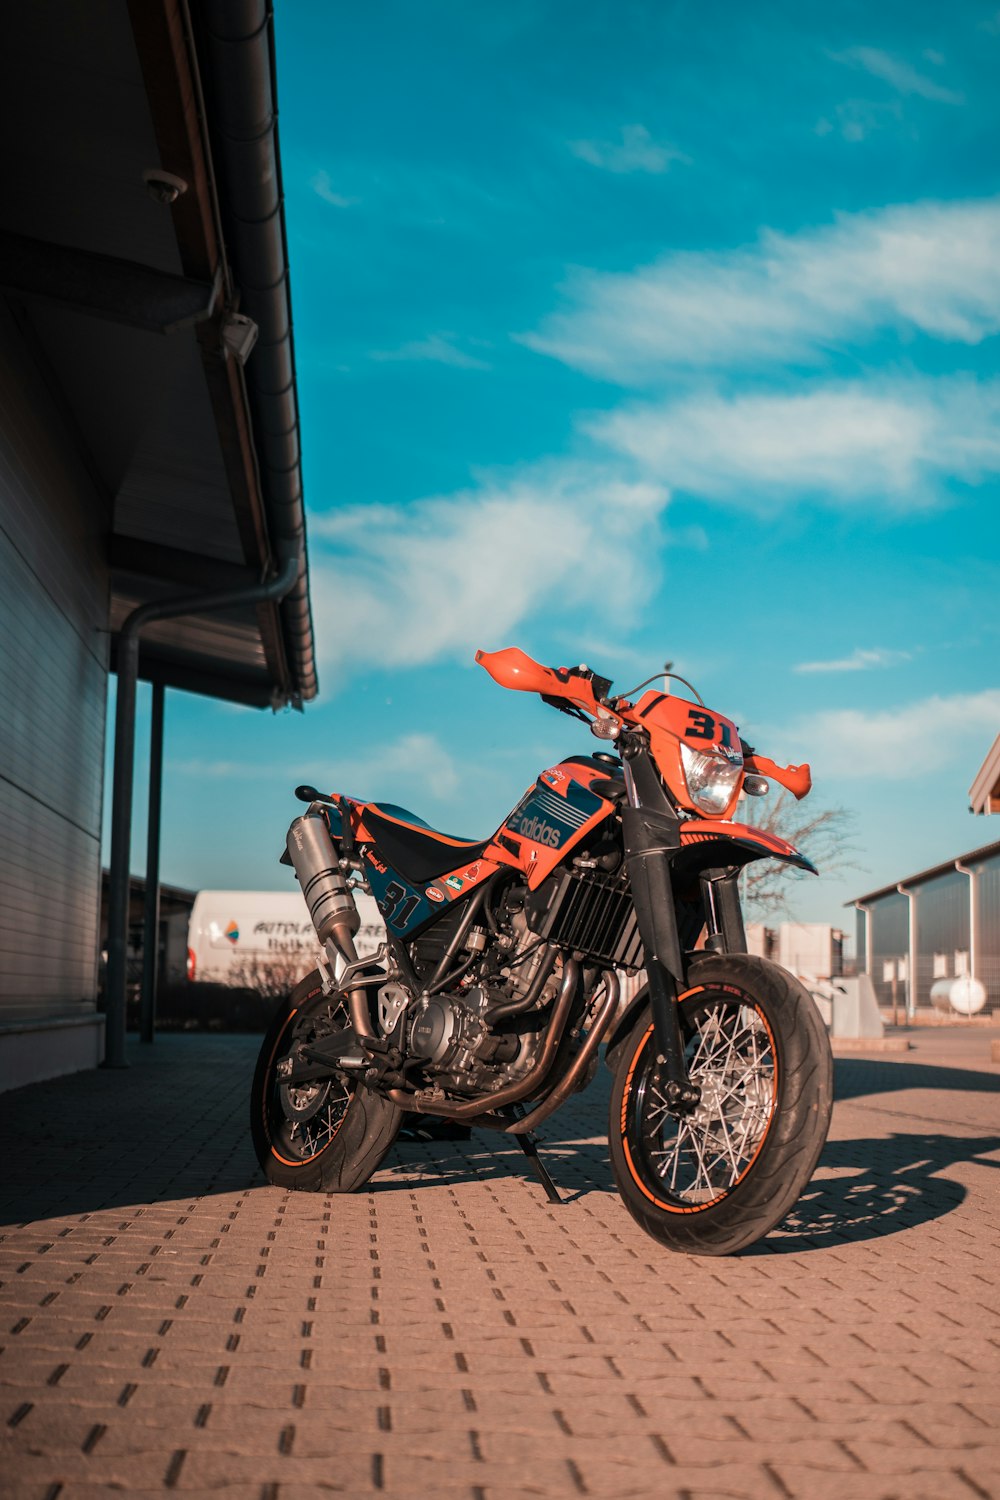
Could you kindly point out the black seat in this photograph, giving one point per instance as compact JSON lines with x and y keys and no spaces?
{"x":414,"y":849}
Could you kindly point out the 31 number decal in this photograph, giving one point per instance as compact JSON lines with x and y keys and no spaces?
{"x":702,"y":726}
{"x":397,"y":905}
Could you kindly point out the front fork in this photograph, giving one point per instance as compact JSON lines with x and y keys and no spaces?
{"x":651,"y":831}
{"x":651,"y":837}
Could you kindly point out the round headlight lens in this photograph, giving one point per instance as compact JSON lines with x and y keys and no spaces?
{"x":712,"y":775}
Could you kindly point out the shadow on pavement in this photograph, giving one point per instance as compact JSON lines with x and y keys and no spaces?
{"x":856,"y":1076}
{"x":174,"y":1127}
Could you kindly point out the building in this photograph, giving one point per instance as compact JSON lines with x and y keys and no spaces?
{"x":941,"y":923}
{"x":149,"y":450}
{"x":984,"y":793}
{"x":806,"y":948}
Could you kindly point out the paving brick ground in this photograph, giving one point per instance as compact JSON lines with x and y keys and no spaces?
{"x":168,"y":1323}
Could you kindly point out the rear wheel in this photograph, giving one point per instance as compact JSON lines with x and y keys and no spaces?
{"x":716,"y":1180}
{"x":328,"y":1135}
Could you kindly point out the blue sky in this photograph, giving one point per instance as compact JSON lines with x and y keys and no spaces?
{"x":628,"y":331}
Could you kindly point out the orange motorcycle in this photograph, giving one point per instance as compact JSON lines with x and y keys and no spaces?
{"x":499,"y":977}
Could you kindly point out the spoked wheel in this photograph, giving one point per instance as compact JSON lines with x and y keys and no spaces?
{"x":719,"y":1178}
{"x":325,"y":1135}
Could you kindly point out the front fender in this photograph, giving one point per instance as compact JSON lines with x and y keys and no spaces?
{"x":753,"y":843}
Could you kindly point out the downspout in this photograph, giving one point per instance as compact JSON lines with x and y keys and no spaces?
{"x":973,"y":917}
{"x":867,"y":911}
{"x":911,"y":963}
{"x":121,"y":794}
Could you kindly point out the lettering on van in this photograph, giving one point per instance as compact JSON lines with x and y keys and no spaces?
{"x":283,"y":929}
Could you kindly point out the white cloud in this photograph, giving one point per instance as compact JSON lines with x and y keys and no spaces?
{"x":849,"y":441}
{"x":916,"y":739}
{"x":322,"y":186}
{"x":931,"y":267}
{"x":857,"y":119}
{"x":635,"y":152}
{"x":438,"y":348}
{"x":421,"y":757}
{"x":899,"y":74}
{"x":860,"y":660}
{"x":403,"y":585}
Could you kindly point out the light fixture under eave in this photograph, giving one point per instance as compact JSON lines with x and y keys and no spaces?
{"x":239,"y":334}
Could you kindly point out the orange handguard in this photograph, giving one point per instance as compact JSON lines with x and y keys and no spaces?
{"x":798,"y":779}
{"x":513,"y":668}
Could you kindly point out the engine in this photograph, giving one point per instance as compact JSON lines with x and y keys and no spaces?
{"x":461,"y":1037}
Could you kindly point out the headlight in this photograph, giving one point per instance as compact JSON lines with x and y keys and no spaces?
{"x":712,"y":775}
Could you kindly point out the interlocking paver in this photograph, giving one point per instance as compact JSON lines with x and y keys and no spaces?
{"x":169,"y":1324}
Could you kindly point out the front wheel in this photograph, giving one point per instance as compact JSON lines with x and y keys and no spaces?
{"x":327,"y":1135}
{"x":718,"y":1179}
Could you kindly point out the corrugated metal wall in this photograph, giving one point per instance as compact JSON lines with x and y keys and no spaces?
{"x":54,"y":593}
{"x":944,"y":936}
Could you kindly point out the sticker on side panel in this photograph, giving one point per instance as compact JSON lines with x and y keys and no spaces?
{"x":455,"y":882}
{"x":433,"y":894}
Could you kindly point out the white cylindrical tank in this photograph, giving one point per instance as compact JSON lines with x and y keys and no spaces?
{"x":965,"y":995}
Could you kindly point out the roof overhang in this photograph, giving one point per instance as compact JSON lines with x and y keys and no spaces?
{"x":974,"y":856}
{"x":142,"y":311}
{"x":984,"y":793}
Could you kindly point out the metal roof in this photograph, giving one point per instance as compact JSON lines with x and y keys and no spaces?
{"x":974,"y":856}
{"x":134,"y":306}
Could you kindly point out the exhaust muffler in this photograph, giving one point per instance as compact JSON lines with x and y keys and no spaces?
{"x":331,"y":906}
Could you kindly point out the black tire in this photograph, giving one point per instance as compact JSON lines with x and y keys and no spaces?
{"x":327,"y":1137}
{"x":721,"y":1180}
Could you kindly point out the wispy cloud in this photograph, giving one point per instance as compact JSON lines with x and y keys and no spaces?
{"x":899,"y":74}
{"x":637,"y":151}
{"x":402,"y":585}
{"x":931,"y":267}
{"x":910,"y":740}
{"x":857,"y":119}
{"x":421,"y":757}
{"x":893,"y":442}
{"x":860,"y":660}
{"x":438,"y":348}
{"x":322,"y":186}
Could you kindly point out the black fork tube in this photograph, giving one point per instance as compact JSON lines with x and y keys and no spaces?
{"x":723,"y":913}
{"x":651,"y":837}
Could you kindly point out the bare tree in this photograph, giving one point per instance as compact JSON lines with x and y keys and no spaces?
{"x":825,"y":837}
{"x":272,"y":976}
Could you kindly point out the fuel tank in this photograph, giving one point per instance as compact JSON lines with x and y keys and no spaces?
{"x":566,"y":803}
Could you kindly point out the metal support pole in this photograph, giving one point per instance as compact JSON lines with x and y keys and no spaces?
{"x":913,"y":951}
{"x":973,"y":919}
{"x":151,"y":915}
{"x":121,"y":810}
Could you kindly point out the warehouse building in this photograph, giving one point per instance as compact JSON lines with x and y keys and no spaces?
{"x":151,"y":512}
{"x":941,"y":924}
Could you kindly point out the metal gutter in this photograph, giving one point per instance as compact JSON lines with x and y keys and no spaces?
{"x":986,"y":851}
{"x":121,"y":795}
{"x":235,"y":42}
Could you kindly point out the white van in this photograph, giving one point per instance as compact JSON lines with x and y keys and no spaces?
{"x":263,"y":939}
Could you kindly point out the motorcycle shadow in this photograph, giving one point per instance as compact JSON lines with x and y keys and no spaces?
{"x":867,"y":1189}
{"x":863,"y":1189}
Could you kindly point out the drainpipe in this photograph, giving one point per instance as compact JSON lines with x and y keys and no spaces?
{"x":151,"y":903}
{"x":911,"y":962}
{"x":973,"y":918}
{"x":121,"y":807}
{"x":868,"y":938}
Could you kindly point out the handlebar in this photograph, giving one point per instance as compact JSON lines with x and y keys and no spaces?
{"x":579,"y":691}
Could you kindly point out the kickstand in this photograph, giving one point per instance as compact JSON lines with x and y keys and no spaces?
{"x":530,"y":1148}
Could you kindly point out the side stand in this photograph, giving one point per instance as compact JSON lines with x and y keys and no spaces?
{"x":530,"y":1148}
